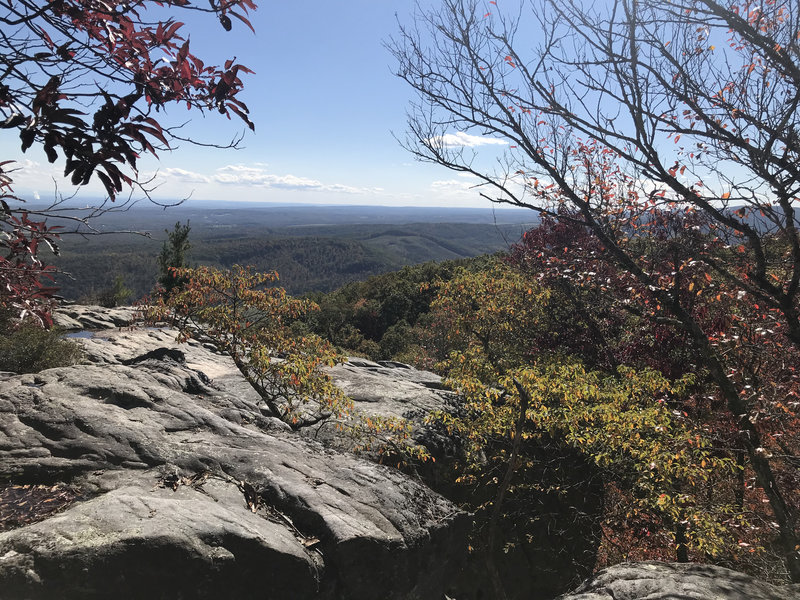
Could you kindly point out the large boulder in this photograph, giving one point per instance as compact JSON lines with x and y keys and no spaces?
{"x":182,"y":488}
{"x":389,"y":388}
{"x":677,"y":581}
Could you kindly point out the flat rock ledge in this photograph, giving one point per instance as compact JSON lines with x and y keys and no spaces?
{"x":80,"y":316}
{"x":185,"y":490}
{"x":677,"y":581}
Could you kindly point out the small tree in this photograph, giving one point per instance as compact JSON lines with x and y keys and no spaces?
{"x":116,"y":295}
{"x":173,"y":256}
{"x":248,"y":320}
{"x":627,"y":118}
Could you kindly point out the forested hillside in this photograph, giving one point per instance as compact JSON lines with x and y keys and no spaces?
{"x":312,"y":249}
{"x":386,"y":316}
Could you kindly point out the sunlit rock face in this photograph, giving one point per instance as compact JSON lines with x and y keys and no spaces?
{"x":671,"y":581}
{"x":150,"y":471}
{"x":179,"y":487}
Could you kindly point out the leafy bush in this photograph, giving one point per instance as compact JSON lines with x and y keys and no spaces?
{"x":116,"y":295}
{"x":519,"y":393}
{"x":29,"y":349}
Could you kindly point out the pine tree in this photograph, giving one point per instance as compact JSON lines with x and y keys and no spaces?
{"x":173,"y":256}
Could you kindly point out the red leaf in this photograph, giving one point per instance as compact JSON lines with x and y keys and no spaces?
{"x":243,"y":20}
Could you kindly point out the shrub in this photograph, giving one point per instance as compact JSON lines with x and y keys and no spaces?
{"x":28,"y":348}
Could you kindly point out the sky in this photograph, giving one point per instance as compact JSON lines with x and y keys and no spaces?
{"x":327,"y":109}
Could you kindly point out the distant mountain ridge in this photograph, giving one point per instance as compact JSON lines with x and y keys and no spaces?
{"x":225,"y":213}
{"x":314,"y":248}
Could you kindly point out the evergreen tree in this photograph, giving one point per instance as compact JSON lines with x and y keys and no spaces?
{"x":116,"y":295}
{"x":173,"y":256}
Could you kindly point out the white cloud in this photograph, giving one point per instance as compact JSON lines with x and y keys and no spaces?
{"x":462,"y":139}
{"x":183,"y":175}
{"x":255,"y":175}
{"x":452,"y":187}
{"x":251,"y":179}
{"x":442,"y":184}
{"x":33,"y":180}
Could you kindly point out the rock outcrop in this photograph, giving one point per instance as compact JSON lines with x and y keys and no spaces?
{"x":675,"y":581}
{"x":152,"y":472}
{"x":184,"y":489}
{"x":79,"y":316}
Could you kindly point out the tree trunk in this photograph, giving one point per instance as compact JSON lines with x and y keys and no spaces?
{"x":491,"y":540}
{"x":751,"y":438}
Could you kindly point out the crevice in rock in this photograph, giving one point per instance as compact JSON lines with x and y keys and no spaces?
{"x":54,"y":433}
{"x":24,"y":504}
{"x":159,"y":354}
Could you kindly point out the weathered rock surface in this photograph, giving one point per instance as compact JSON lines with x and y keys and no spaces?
{"x":392,"y":389}
{"x":388,"y":388}
{"x":79,"y":316}
{"x":190,"y":492}
{"x":186,"y":490}
{"x":675,"y":581}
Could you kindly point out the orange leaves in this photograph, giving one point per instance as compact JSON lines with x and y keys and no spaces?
{"x":242,"y":315}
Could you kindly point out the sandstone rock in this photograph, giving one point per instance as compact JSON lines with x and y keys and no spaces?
{"x":676,"y":581}
{"x":78,"y":316}
{"x":389,"y":388}
{"x":139,"y":421}
{"x":140,"y":542}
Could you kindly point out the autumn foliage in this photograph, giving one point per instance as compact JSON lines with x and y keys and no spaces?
{"x":664,"y":135}
{"x":249,"y":319}
{"x":629,"y":326}
{"x":89,"y":82}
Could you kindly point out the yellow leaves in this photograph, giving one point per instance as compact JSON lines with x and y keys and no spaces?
{"x":623,"y":423}
{"x":244,"y":317}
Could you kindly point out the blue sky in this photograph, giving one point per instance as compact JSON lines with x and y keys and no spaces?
{"x":325,"y":104}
